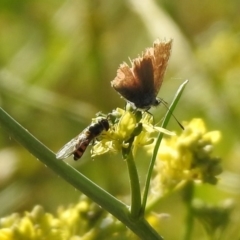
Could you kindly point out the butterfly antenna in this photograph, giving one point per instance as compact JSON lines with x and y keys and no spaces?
{"x":166,"y":106}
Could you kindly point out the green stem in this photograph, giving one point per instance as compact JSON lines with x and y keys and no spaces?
{"x":187,"y":199}
{"x":134,"y":181}
{"x":141,"y":227}
{"x":159,"y":139}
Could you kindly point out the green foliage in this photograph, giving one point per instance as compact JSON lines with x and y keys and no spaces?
{"x":57,"y":60}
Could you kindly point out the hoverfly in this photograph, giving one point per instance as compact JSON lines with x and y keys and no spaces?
{"x":78,"y":145}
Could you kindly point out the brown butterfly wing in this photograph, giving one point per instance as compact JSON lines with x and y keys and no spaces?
{"x":140,"y":84}
{"x":162,"y":51}
{"x":136,"y":84}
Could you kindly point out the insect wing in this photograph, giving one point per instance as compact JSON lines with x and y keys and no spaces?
{"x":70,"y":147}
{"x":137,"y":84}
{"x":140,"y":83}
{"x":162,"y":52}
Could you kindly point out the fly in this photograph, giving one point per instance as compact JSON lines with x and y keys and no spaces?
{"x":78,"y":145}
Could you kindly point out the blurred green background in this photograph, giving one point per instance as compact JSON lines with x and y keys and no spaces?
{"x":57,"y":59}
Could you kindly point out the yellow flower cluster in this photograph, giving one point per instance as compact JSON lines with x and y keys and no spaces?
{"x":84,"y":220}
{"x":68,"y":224}
{"x":125,"y":125}
{"x":187,"y":157}
{"x":34,"y":225}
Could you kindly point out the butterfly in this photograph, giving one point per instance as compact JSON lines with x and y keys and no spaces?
{"x":140,"y":83}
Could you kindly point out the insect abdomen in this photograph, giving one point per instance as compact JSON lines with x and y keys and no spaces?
{"x":80,"y":150}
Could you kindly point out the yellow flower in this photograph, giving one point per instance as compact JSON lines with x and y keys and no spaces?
{"x":70,"y":223}
{"x":187,"y":157}
{"x":125,"y":125}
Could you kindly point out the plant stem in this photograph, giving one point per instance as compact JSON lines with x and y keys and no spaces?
{"x":159,"y":139}
{"x":134,"y":181}
{"x":187,"y":199}
{"x":141,"y":227}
